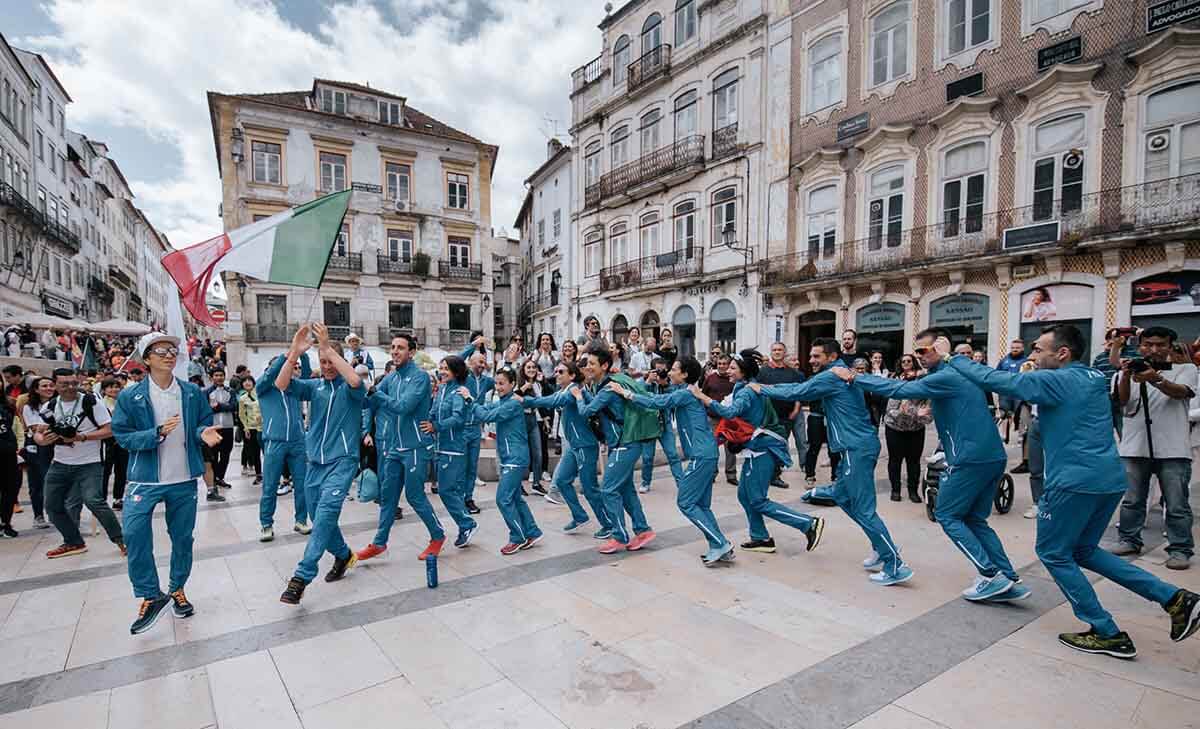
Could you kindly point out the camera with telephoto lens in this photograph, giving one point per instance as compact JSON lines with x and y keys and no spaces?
{"x":1138,"y":365}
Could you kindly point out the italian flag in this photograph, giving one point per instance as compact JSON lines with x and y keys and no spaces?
{"x":292,"y":247}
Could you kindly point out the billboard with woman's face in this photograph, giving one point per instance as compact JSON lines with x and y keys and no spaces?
{"x":1058,"y":302}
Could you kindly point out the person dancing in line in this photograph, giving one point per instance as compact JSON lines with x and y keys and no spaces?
{"x":761,"y":454}
{"x":1084,"y":486}
{"x":617,"y":487}
{"x":331,"y":444}
{"x":975,"y":460}
{"x":406,"y":396}
{"x":512,"y":451}
{"x":448,"y":419}
{"x":695,"y":483}
{"x":480,"y":384}
{"x":851,"y":434}
{"x":283,"y":446}
{"x":582,"y":453}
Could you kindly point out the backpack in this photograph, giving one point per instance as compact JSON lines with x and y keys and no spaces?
{"x":640,"y":423}
{"x":737,"y":432}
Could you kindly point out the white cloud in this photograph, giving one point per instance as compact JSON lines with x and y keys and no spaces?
{"x":144,"y":64}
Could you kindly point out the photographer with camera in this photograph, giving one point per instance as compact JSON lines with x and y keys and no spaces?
{"x":1155,"y":393}
{"x":75,"y":424}
{"x":224,"y":403}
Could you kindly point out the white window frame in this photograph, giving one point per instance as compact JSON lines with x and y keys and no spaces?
{"x":1172,"y":127}
{"x":458,"y":191}
{"x":823,"y":217}
{"x":619,"y":146}
{"x":650,"y":133}
{"x":725,"y":98}
{"x":557,"y":218}
{"x":389,"y":112}
{"x":621,"y":59}
{"x":686,"y":20}
{"x":459,"y":252}
{"x":400,"y":245}
{"x":972,"y":47}
{"x":723,"y":213}
{"x":593,"y":254}
{"x":333,"y":101}
{"x":591,"y":164}
{"x":1059,"y":157}
{"x":618,"y":249}
{"x":267,"y":156}
{"x":967,"y":222}
{"x":1058,"y":22}
{"x":816,"y":104}
{"x":687,"y":110}
{"x":683,"y":216}
{"x":887,"y":87}
{"x":394,"y":177}
{"x":332,"y":169}
{"x":649,"y":235}
{"x":341,"y":245}
{"x":888,"y":231}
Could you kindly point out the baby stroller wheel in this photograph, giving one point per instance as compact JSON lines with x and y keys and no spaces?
{"x":1004,"y":495}
{"x":931,"y":502}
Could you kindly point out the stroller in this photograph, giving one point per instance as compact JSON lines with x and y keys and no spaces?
{"x":936,"y":466}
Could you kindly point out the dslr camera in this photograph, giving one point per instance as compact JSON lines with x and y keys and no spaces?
{"x":1140,"y":364}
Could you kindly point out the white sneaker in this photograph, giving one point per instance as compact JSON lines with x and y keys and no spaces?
{"x":283,"y":490}
{"x":643,"y":489}
{"x":1031,"y":512}
{"x":873,"y":562}
{"x":303,"y":527}
{"x":479,"y":483}
{"x":267,"y":534}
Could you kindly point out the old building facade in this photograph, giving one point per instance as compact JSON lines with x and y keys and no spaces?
{"x":989,"y":167}
{"x":547,"y":245}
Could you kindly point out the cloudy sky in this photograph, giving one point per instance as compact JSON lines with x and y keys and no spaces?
{"x":138,"y":71}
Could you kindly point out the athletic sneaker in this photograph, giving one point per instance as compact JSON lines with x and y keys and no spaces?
{"x":258,"y":480}
{"x":602,"y":533}
{"x":814,"y":533}
{"x":369,"y":551}
{"x":987,"y":587}
{"x":40,"y":523}
{"x":510,"y":548}
{"x":1012,"y":594}
{"x":266,"y":534}
{"x":66,"y":550}
{"x":528,"y":543}
{"x":118,"y":505}
{"x":1118,"y":646}
{"x":213,"y":496}
{"x":612,"y":546}
{"x":148,"y":614}
{"x":293,"y":592}
{"x":716,"y":555}
{"x":341,"y":565}
{"x":1031,"y":512}
{"x":284,"y":489}
{"x":471,"y":507}
{"x":902,"y":574}
{"x":8,"y":532}
{"x":180,"y":605}
{"x":552,"y":497}
{"x":464,"y":537}
{"x":1178,"y":561}
{"x":644,"y":488}
{"x":479,"y":483}
{"x":641,"y":540}
{"x":573,"y":525}
{"x":434,"y":548}
{"x":873,"y":562}
{"x":1125,"y":548}
{"x":302,"y":527}
{"x":766,"y":546}
{"x":1184,"y":609}
{"x":539,"y":488}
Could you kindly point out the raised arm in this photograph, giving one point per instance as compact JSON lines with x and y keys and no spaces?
{"x":264,"y":384}
{"x":1039,"y":386}
{"x":295,"y":352}
{"x":598,"y":402}
{"x":335,"y":357}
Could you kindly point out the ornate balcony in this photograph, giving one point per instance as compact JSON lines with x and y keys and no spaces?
{"x":651,"y":270}
{"x":339,"y":332}
{"x":724,"y":141}
{"x":654,"y":64}
{"x":386,"y":334}
{"x":10,"y":197}
{"x":459,"y":272}
{"x":453,"y":339}
{"x":349,"y":262}
{"x":541,"y":303}
{"x":655,"y":166}
{"x":260,"y":333}
{"x":587,"y":73}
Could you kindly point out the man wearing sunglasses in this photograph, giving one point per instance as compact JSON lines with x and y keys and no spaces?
{"x":163,"y":422}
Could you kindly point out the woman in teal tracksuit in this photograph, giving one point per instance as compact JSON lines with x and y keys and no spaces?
{"x":761,"y":453}
{"x":582,"y":453}
{"x":512,"y":448}
{"x":695,"y":481}
{"x":448,"y":418}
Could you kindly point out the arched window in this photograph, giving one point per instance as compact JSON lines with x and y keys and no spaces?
{"x":685,"y":115}
{"x":648,"y":235}
{"x":723,"y":326}
{"x":593,"y":254}
{"x":885,"y":207}
{"x":620,"y":328}
{"x":651,"y":33}
{"x":825,"y":72}
{"x":685,"y":227}
{"x":964,"y":173}
{"x":591,"y":164}
{"x":684,"y":323}
{"x":822,"y":215}
{"x":685,"y":21}
{"x":1173,"y":132}
{"x":649,"y":325}
{"x":618,"y":238}
{"x":650,"y":131}
{"x":1059,"y":149}
{"x":724,"y":216}
{"x":621,"y":60}
{"x":619,"y":144}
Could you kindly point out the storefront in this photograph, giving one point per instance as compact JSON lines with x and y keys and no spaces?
{"x":684,"y":324}
{"x":881,"y":327}
{"x":1170,"y":299}
{"x":964,"y":317}
{"x":57,"y":305}
{"x":723,"y":326}
{"x":1063,"y":303}
{"x":813,"y":325}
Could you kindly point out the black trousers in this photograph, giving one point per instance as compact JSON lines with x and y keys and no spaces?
{"x":904,"y":446}
{"x":816,"y":439}
{"x":222,"y":452}
{"x":252,"y":451}
{"x":10,"y":484}
{"x":116,"y":466}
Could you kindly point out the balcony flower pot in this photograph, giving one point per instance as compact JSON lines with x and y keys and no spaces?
{"x":420,"y":264}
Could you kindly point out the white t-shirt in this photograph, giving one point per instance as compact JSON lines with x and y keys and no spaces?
{"x":1168,"y":416}
{"x":220,"y":395}
{"x":71,"y":413}
{"x":172,"y":450}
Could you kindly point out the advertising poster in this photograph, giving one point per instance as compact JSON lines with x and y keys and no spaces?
{"x":1173,"y":292}
{"x":1057,"y":302}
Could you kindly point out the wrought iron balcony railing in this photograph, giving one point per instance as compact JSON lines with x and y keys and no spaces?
{"x":673,"y":265}
{"x":653,"y":64}
{"x":270,"y":332}
{"x":542,"y":302}
{"x":1158,"y":208}
{"x":587,"y":73}
{"x":724,"y":141}
{"x":339,"y":332}
{"x":452,"y":339}
{"x":386,"y":334}
{"x":647,"y":168}
{"x":348,"y":262}
{"x":9,"y":196}
{"x":387,"y":264}
{"x":459,"y":272}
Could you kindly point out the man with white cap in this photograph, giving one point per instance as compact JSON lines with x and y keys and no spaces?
{"x":356,"y":355}
{"x":163,"y":422}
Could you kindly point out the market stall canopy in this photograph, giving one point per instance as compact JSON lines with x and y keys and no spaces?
{"x":119,"y":326}
{"x":43,"y":321}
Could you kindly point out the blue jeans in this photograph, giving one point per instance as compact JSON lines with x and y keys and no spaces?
{"x":139,"y":502}
{"x":1068,"y":537}
{"x":277,"y":453}
{"x":965,"y":495}
{"x":694,"y":499}
{"x":472,"y":468}
{"x":1174,"y":475}
{"x":668,"y":445}
{"x":619,"y":494}
{"x":69,"y":487}
{"x":854,"y":491}
{"x":757,"y":470}
{"x":800,"y":433}
{"x":450,"y":469}
{"x":512,"y":506}
{"x":581,"y":462}
{"x":325,"y":486}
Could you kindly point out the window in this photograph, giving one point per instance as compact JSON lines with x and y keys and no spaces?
{"x":1058,"y":166}
{"x":1045,"y":9}
{"x":557,"y":224}
{"x":460,"y":252}
{"x":342,"y":245}
{"x":41,"y":145}
{"x":389,"y":112}
{"x":542,"y":233}
{"x":650,"y":131}
{"x":399,"y":178}
{"x":889,"y":44}
{"x":50,"y":109}
{"x":400,"y":314}
{"x":333,"y":172}
{"x":724,"y":217}
{"x":963,"y":176}
{"x":460,"y":317}
{"x":591,"y":164}
{"x":685,"y":115}
{"x":685,"y":227}
{"x":541,"y":286}
{"x":56,"y":267}
{"x":619,"y":145}
{"x":825,"y":73}
{"x":1173,"y":140}
{"x":651,"y":33}
{"x":272,"y":309}
{"x":685,"y":21}
{"x":621,"y":60}
{"x":457,"y":186}
{"x":822,"y":221}
{"x":266,"y":158}
{"x":592,"y":255}
{"x":337,"y":312}
{"x":648,"y":235}
{"x":725,"y":99}
{"x":62,"y":167}
{"x":968,"y":24}
{"x":62,"y":126}
{"x":618,"y":249}
{"x":400,"y":245}
{"x":885,"y":207}
{"x":53,"y":160}
{"x":333,"y":101}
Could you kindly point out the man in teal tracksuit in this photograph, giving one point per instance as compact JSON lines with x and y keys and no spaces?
{"x":283,"y":443}
{"x":331,"y":445}
{"x":851,"y":434}
{"x":1084,"y":484}
{"x":975,"y":462}
{"x":480,"y":384}
{"x":162,"y":421}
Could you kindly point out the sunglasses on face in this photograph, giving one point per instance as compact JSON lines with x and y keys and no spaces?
{"x":922,"y":351}
{"x":165,"y":351}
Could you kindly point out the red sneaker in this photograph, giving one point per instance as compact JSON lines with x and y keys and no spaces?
{"x":434,"y":548}
{"x":532,"y":541}
{"x":641,"y":540}
{"x":66,"y":550}
{"x":369,"y":551}
{"x":509,"y":548}
{"x":612,"y":546}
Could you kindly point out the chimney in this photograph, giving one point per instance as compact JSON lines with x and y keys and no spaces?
{"x":553,"y":147}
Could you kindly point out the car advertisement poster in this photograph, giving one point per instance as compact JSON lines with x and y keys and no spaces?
{"x":1173,"y":292}
{"x":1060,"y":302}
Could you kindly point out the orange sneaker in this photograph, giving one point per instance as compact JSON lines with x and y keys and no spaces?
{"x":66,"y":550}
{"x":434,"y":548}
{"x":612,"y":546}
{"x":509,"y":548}
{"x":640,"y":541}
{"x":369,"y":551}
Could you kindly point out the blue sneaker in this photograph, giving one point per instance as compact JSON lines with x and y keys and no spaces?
{"x":902,"y":574}
{"x":716,"y":555}
{"x":464,"y":537}
{"x":573,"y":525}
{"x":603,"y":534}
{"x":1014,"y":593}
{"x":987,"y":587}
{"x":873,"y":562}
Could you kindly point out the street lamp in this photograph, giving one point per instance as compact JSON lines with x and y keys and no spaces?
{"x":728,"y":239}
{"x":241,"y":287}
{"x":235,"y":148}
{"x":487,"y":302}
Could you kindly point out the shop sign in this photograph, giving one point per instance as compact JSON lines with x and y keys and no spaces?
{"x":1069,"y":50}
{"x":1031,"y":235}
{"x":366,"y":187}
{"x":853,"y":126}
{"x":880,"y":318}
{"x":703,"y":289}
{"x":58,"y":305}
{"x":1163,"y":15}
{"x":967,"y":86}
{"x":966,"y":310}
